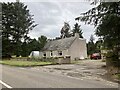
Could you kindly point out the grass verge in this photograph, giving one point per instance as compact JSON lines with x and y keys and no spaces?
{"x":24,"y":63}
{"x":118,"y":76}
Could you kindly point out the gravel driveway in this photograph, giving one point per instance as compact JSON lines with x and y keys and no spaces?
{"x":89,"y":69}
{"x":93,"y":70}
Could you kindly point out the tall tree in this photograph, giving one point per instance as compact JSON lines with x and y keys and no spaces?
{"x":77,"y":29}
{"x":42,"y":41}
{"x":99,"y":45}
{"x":65,"y":30}
{"x":106,"y":18}
{"x":16,"y":24}
{"x":33,"y":45}
{"x":91,"y":46}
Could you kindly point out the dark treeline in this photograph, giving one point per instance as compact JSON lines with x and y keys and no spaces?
{"x":17,"y":22}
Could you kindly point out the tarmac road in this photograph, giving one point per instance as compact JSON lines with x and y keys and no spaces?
{"x":17,"y":77}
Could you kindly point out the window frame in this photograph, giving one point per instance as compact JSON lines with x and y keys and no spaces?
{"x":51,"y":53}
{"x":60,"y":53}
{"x":44,"y":54}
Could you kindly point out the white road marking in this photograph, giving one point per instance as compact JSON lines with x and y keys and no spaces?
{"x":6,"y":85}
{"x":108,"y":82}
{"x":22,"y":68}
{"x":75,"y":78}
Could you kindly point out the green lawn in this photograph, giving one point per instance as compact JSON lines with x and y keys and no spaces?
{"x":118,"y":75}
{"x":24,"y":63}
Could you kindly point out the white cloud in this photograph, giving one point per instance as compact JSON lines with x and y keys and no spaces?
{"x":51,"y":15}
{"x":44,"y":0}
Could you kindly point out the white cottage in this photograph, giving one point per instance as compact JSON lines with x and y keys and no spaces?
{"x":74,"y":47}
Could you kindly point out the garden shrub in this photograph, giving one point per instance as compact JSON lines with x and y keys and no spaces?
{"x":113,"y":59}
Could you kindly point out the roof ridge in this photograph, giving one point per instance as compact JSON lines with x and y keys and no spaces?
{"x":60,"y":44}
{"x":64,"y":38}
{"x":72,"y":42}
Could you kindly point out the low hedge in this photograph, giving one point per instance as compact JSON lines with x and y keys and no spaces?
{"x":112,"y":59}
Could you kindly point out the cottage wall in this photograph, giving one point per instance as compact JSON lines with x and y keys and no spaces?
{"x":78,"y":49}
{"x":47,"y":54}
{"x":41,"y":54}
{"x":55,"y":53}
{"x":65,"y":53}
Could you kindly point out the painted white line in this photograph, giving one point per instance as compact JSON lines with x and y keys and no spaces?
{"x":22,"y":68}
{"x":83,"y":78}
{"x":6,"y":85}
{"x":75,"y":78}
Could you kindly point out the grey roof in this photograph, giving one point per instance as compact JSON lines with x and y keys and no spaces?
{"x":60,"y":44}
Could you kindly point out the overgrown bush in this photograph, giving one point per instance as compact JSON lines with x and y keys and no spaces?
{"x":112,"y":59}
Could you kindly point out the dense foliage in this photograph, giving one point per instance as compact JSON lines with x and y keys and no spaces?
{"x":16,"y":24}
{"x":91,"y":46}
{"x":106,"y":18}
{"x":33,"y":45}
{"x":67,"y":32}
{"x":77,"y":29}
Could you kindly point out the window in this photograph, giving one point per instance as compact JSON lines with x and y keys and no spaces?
{"x":51,"y":53}
{"x":60,"y":53}
{"x":44,"y":54}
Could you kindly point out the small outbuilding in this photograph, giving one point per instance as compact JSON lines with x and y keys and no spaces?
{"x":35,"y":54}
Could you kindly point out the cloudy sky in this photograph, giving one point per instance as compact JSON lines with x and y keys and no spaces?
{"x":51,"y":15}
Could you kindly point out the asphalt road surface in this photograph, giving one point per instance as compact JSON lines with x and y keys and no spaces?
{"x":17,"y":77}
